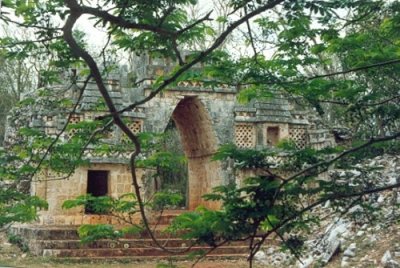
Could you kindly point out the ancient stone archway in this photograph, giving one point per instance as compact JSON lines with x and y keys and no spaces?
{"x":199,"y":144}
{"x":206,"y":117}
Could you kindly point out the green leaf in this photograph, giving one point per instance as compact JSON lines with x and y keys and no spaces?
{"x":269,"y":223}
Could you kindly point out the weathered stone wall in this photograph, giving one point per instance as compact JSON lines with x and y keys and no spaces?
{"x":219,"y":106}
{"x":48,"y":186}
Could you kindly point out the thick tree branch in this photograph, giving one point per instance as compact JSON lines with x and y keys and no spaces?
{"x":119,"y":21}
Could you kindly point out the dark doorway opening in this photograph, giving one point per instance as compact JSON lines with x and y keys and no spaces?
{"x":174,"y":178}
{"x":272,"y":135}
{"x":97,"y":185}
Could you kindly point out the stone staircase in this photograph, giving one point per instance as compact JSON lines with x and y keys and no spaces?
{"x":63,"y":242}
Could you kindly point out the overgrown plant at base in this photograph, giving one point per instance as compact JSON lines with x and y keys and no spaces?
{"x":124,"y":208}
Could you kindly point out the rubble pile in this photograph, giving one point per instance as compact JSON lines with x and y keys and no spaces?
{"x":358,"y":238}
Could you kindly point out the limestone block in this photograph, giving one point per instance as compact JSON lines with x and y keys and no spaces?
{"x":128,"y":188}
{"x":120,"y":189}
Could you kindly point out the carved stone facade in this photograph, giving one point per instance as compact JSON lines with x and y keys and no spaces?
{"x":205,"y":118}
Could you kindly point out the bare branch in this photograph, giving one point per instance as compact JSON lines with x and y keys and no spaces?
{"x":251,"y":37}
{"x":325,"y":164}
{"x":25,"y":42}
{"x":82,"y":151}
{"x":29,"y":26}
{"x":197,"y":22}
{"x":366,"y":67}
{"x":334,"y":196}
{"x":165,"y":16}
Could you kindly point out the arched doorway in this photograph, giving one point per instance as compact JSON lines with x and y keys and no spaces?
{"x":199,"y":144}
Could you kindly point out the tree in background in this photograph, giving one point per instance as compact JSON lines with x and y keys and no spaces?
{"x":17,"y":76}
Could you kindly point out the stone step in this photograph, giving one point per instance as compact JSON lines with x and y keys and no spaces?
{"x":70,"y":233}
{"x":63,"y":242}
{"x":46,"y":233}
{"x":140,"y":252}
{"x":142,"y":258}
{"x":120,"y":243}
{"x":166,"y":217}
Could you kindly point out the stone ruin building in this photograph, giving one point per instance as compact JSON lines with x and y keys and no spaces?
{"x":205,"y":118}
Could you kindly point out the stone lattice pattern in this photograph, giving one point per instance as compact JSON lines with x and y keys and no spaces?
{"x":50,"y":125}
{"x":135,"y":126}
{"x":244,"y":136}
{"x":298,"y":135}
{"x":74,"y":119}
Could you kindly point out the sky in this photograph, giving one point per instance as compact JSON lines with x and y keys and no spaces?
{"x":96,"y":37}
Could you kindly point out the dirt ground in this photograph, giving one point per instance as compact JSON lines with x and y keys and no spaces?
{"x":39,"y":263}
